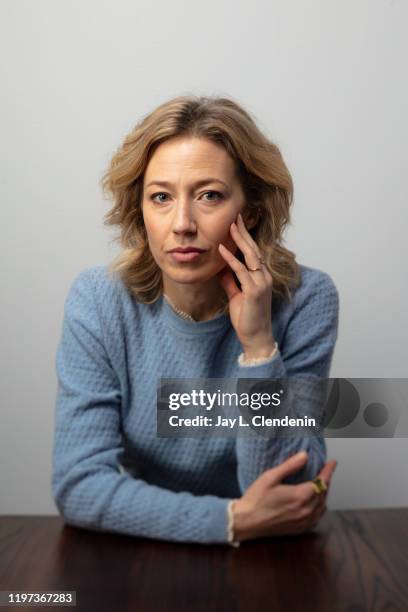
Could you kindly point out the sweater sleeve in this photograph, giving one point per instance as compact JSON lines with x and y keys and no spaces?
{"x":306,"y":350}
{"x":89,"y":487}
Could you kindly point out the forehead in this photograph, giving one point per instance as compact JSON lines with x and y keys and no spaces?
{"x":192,"y":156}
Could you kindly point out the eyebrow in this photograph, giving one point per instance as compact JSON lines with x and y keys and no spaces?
{"x":196,"y":184}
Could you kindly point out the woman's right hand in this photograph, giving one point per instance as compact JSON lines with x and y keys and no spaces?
{"x":269,"y":507}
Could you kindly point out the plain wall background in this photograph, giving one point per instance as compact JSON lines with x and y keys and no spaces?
{"x":326,"y":80}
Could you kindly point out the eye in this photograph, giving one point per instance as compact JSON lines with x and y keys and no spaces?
{"x":219,"y":196}
{"x":154,"y":195}
{"x":217,"y":193}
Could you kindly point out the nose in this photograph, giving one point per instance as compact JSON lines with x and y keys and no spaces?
{"x":184,"y":219}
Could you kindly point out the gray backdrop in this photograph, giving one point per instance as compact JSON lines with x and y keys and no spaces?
{"x":325,"y":80}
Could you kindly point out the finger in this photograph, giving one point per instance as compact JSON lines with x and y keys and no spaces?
{"x":247,"y":236}
{"x":315,"y":490}
{"x":322,"y":497}
{"x":238,"y":267}
{"x":307,"y":493}
{"x":319,"y":510}
{"x":288,"y":467}
{"x":315,"y":512}
{"x":251,"y":258}
{"x":319,"y":501}
{"x":317,"y":517}
{"x":228,"y":283}
{"x":308,"y":489}
{"x":327,"y":471}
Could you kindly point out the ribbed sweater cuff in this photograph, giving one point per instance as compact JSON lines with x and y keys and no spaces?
{"x":217,"y":526}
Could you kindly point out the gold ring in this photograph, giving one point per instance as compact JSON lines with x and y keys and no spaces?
{"x":261,"y":261}
{"x":319,"y":485}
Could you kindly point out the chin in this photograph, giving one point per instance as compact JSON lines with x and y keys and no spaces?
{"x":188,"y":276}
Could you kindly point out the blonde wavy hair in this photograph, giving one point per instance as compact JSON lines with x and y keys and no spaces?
{"x":264,"y":177}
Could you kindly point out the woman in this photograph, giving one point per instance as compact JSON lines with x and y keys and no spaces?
{"x":202,"y":288}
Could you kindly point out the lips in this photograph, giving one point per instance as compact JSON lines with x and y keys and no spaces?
{"x":186,"y":250}
{"x":185,"y":255}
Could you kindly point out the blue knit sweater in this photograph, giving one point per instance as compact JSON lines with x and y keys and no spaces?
{"x":110,"y":470}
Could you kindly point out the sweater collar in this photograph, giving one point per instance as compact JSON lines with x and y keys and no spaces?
{"x":191,"y":327}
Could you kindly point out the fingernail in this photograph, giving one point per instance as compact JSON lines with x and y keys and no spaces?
{"x":301,"y":454}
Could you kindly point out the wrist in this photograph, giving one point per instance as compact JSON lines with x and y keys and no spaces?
{"x":260,"y":351}
{"x":241,"y":520}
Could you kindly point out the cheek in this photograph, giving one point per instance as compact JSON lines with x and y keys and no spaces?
{"x":226,"y":238}
{"x":153,"y":232}
{"x":220,"y":229}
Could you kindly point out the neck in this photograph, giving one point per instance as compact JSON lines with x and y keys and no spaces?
{"x":200,"y":301}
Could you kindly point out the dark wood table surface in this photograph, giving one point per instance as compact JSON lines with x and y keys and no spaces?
{"x":354,"y":561}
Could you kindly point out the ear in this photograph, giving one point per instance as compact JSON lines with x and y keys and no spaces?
{"x":250,"y":216}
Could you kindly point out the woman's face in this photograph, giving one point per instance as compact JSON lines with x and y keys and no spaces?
{"x":190,"y":198}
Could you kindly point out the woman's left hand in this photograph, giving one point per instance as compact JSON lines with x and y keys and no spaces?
{"x":251,"y":307}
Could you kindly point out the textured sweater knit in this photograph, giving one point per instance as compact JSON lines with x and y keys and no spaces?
{"x":110,"y":470}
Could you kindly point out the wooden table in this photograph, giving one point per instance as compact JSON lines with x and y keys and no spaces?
{"x":354,"y":561}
